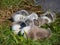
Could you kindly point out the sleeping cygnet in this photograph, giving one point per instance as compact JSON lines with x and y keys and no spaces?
{"x":38,"y":33}
{"x":39,"y":22}
{"x":35,"y":33}
{"x":45,"y":18}
{"x":49,"y":16}
{"x":17,"y":26}
{"x":20,"y":16}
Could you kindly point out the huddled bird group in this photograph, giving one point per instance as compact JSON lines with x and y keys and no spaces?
{"x":29,"y":25}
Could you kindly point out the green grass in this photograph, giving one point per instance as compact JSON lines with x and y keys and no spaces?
{"x":12,"y":3}
{"x":8,"y":38}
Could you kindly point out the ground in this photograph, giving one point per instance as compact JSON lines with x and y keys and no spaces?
{"x":7,"y":8}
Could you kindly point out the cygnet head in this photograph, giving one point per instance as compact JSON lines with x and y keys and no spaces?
{"x":38,"y":22}
{"x":20,"y":16}
{"x":46,"y":19}
{"x":32,"y":16}
{"x":17,"y":27}
{"x":49,"y":16}
{"x":41,"y":21}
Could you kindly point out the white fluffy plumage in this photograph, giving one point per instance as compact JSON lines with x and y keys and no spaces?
{"x":49,"y":15}
{"x":46,"y":18}
{"x":32,"y":16}
{"x":25,"y":29}
{"x":16,"y":28}
{"x":20,"y":16}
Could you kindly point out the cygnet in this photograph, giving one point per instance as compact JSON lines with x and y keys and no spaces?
{"x":17,"y":27}
{"x":20,"y":16}
{"x":38,"y":33}
{"x":35,"y":33}
{"x":49,"y":16}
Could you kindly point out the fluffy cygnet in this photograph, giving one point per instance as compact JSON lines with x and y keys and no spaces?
{"x":38,"y":33}
{"x":39,"y":22}
{"x":17,"y":27}
{"x":49,"y":16}
{"x":35,"y":33}
{"x":45,"y":18}
{"x":20,"y":16}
